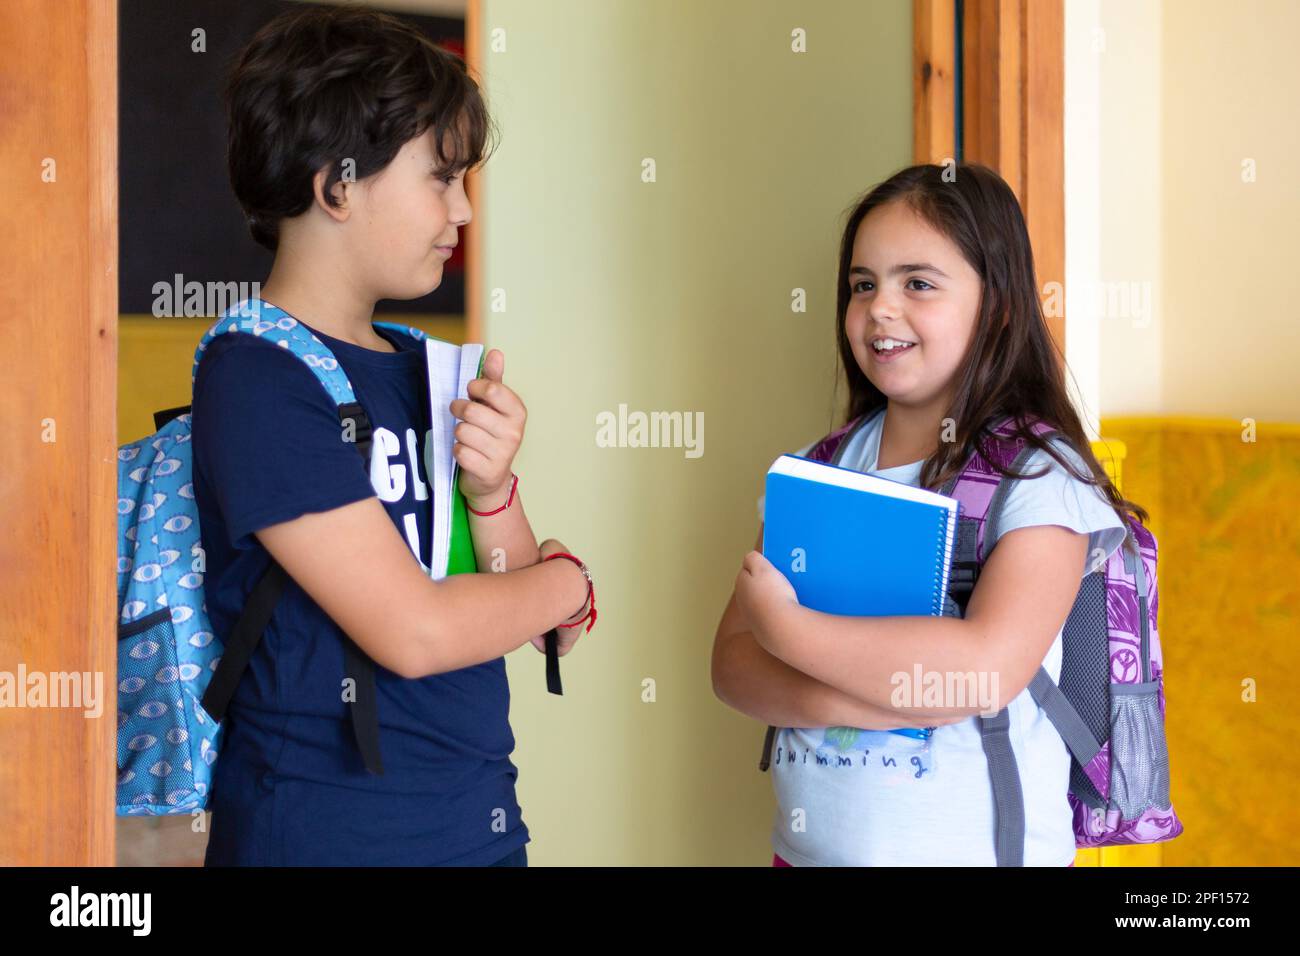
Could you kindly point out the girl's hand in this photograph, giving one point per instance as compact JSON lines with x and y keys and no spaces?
{"x":568,"y":636}
{"x":488,"y":436}
{"x":763,"y":595}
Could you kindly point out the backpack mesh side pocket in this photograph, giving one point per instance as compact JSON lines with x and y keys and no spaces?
{"x":1139,"y":758}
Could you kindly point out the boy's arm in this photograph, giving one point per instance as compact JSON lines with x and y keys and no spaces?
{"x":503,"y":541}
{"x":353,"y":562}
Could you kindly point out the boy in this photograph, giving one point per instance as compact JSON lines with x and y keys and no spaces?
{"x":350,"y":134}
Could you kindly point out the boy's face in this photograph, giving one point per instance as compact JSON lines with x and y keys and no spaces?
{"x":405,"y":222}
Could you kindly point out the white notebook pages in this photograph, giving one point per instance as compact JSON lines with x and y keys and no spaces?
{"x":451,"y":369}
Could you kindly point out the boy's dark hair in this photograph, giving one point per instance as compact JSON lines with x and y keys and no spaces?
{"x":321,"y":85}
{"x":1012,"y":367}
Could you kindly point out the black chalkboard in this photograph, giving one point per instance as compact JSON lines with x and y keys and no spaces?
{"x":177,"y":214}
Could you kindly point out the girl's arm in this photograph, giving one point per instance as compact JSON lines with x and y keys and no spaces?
{"x":353,"y":562}
{"x":1022,"y":599}
{"x":749,"y":679}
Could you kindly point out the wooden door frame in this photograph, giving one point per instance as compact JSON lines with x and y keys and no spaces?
{"x":1011,"y":73}
{"x":58,"y":553}
{"x":474,"y":187}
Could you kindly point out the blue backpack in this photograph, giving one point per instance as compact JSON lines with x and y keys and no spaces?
{"x":175,"y":677}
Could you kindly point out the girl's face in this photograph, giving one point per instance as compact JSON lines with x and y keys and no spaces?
{"x":407,"y":222}
{"x":913,"y":304}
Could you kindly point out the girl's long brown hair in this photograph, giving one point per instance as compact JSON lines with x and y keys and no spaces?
{"x":1012,"y":369}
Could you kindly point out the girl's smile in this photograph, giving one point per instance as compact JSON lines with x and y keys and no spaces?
{"x":885,"y":348}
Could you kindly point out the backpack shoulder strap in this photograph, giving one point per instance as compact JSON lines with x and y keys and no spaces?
{"x":1008,"y":799}
{"x":271,"y":323}
{"x":1004,"y":773}
{"x":243,"y":640}
{"x":981,"y":488}
{"x":261,"y":319}
{"x":274,"y":325}
{"x":418,"y":334}
{"x":831,"y":448}
{"x":1083,"y":746}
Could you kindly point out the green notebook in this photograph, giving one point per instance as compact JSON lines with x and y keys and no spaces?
{"x":460,"y":558}
{"x":451,"y":369}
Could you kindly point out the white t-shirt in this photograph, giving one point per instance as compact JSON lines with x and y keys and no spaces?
{"x":873,"y":798}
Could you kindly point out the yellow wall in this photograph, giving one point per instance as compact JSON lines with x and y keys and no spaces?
{"x":156,"y":356}
{"x":673,"y":295}
{"x":1229,"y":612}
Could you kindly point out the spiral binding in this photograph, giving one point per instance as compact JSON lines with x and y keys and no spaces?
{"x":947,"y":535}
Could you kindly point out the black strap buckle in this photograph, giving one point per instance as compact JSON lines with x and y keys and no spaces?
{"x":553,"y":662}
{"x":163,"y":416}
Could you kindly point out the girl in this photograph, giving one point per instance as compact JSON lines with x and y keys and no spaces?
{"x":941,"y":337}
{"x":350,"y":134}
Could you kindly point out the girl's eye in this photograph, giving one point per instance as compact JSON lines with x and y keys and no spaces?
{"x":857,"y":285}
{"x":923,"y":282}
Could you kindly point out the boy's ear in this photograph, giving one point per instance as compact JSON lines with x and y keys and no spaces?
{"x":339,"y":209}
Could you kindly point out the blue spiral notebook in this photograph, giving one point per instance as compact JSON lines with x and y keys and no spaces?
{"x":857,"y":544}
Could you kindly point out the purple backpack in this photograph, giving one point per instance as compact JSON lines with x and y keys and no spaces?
{"x":1109,"y":706}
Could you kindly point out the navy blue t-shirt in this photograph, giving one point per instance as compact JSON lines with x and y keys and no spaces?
{"x":290,"y":787}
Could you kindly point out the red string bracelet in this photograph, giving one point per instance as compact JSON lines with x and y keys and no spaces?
{"x":484,"y":514}
{"x":591,"y":591}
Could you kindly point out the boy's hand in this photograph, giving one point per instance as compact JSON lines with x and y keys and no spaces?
{"x":488,"y":435}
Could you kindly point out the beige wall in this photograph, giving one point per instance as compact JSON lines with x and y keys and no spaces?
{"x":1190,"y":90}
{"x":1132,"y":180}
{"x":673,"y":295}
{"x":1232,"y":92}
